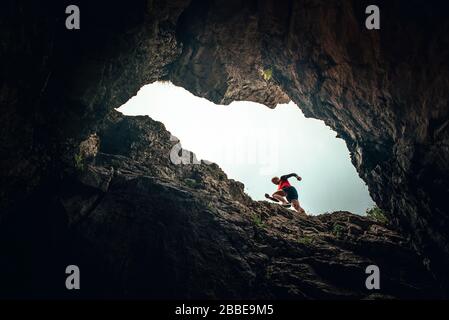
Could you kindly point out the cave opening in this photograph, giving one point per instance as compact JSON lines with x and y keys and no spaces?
{"x":253,"y":143}
{"x":384,"y":92}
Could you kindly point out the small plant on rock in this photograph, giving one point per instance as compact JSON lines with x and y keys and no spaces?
{"x":257,"y":219}
{"x":192,"y":183}
{"x":79,"y":161}
{"x":377,"y":215}
{"x":267,"y":74}
{"x":306,"y":240}
{"x":337,"y":230}
{"x":269,"y":271}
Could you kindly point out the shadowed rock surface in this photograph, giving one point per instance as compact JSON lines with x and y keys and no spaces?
{"x":159,"y":230}
{"x":384,"y":92}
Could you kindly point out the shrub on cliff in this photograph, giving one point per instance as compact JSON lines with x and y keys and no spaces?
{"x":377,"y":214}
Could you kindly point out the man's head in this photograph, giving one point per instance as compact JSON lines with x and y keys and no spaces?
{"x":275,"y":180}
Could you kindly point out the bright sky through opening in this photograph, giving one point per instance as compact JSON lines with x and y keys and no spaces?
{"x":252,"y":143}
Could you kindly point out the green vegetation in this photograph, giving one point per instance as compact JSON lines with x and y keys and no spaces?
{"x":79,"y":161}
{"x":338,"y":230}
{"x":305,"y":239}
{"x":257,"y":219}
{"x":377,"y":215}
{"x":192,"y":183}
{"x":267,"y":74}
{"x":269,"y":272}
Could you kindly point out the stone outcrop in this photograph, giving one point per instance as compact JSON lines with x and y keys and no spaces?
{"x":154,"y":229}
{"x":384,"y":92}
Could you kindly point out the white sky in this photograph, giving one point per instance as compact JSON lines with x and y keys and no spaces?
{"x":252,"y":143}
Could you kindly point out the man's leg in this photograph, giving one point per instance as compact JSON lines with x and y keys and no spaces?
{"x":279,"y":195}
{"x":297,"y":207}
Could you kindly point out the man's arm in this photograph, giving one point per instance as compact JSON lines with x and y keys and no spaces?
{"x":285,"y":177}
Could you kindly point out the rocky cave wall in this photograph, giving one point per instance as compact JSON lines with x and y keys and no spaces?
{"x":384,"y":92}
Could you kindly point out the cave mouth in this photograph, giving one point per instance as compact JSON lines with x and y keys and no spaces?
{"x":253,"y":143}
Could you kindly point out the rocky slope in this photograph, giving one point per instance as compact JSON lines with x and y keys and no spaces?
{"x":161,"y":230}
{"x":383,"y":91}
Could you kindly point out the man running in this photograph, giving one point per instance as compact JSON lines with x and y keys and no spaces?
{"x":285,"y":189}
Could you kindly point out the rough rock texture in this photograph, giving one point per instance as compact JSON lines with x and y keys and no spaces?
{"x":57,"y":84}
{"x":384,"y":92}
{"x":160,"y":230}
